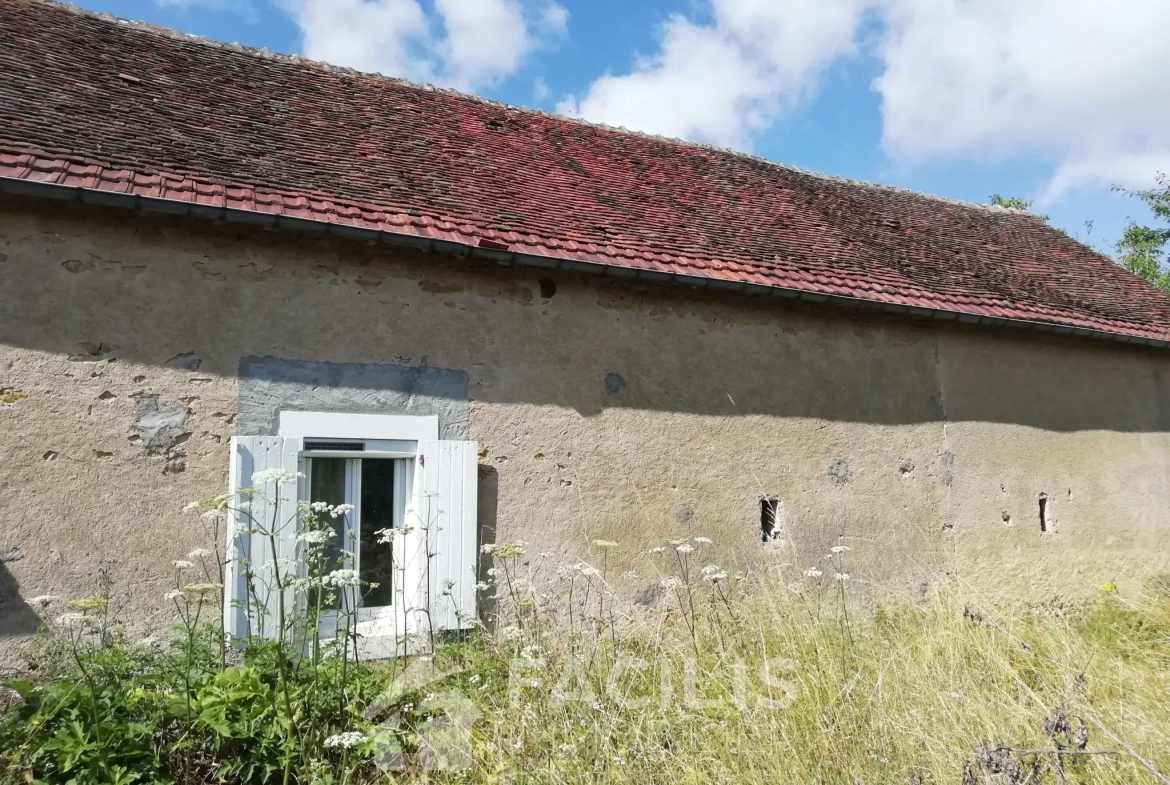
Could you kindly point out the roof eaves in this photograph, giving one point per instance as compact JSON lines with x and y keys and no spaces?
{"x":24,"y":187}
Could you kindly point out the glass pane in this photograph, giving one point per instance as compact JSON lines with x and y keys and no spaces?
{"x":327,"y":484}
{"x":377,"y":559}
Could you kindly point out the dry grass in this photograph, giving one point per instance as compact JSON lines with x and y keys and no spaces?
{"x":905,"y":695}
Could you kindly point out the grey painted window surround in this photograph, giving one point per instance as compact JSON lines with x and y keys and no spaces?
{"x":270,"y":384}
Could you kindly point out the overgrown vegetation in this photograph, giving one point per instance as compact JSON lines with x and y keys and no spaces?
{"x":714,"y":677}
{"x":725,"y":678}
{"x":1015,"y":203}
{"x":1143,"y":250}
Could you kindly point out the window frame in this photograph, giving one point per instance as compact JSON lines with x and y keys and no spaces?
{"x":393,"y":437}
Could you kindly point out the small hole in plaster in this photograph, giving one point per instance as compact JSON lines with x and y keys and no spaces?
{"x":1044,"y":512}
{"x":548,"y":288}
{"x":769,"y":518}
{"x":50,"y":456}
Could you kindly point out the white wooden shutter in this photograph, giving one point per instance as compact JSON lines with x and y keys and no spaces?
{"x":445,"y":508}
{"x":251,"y":606}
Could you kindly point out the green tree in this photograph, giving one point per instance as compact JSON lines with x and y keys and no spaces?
{"x":1145,"y":250}
{"x":1013,"y":203}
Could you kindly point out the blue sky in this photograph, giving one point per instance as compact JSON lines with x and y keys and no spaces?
{"x":1053,"y":100}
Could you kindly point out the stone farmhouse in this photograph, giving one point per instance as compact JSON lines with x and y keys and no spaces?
{"x":216,"y":260}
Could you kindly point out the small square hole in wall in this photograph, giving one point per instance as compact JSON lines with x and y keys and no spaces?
{"x":1044,"y":512}
{"x":769,"y":518}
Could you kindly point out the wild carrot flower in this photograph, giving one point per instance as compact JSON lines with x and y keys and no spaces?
{"x":685,"y":548}
{"x":199,"y":553}
{"x":346,"y":740}
{"x":277,"y":476}
{"x":703,"y":540}
{"x":508,"y":550}
{"x":604,"y":545}
{"x":838,"y":549}
{"x":341,"y":578}
{"x":841,"y":576}
{"x":713,"y":573}
{"x":43,"y":600}
{"x":182,"y":564}
{"x":316,"y":536}
{"x":813,"y":572}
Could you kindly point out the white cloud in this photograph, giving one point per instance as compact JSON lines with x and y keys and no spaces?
{"x":1080,"y":82}
{"x":369,"y":35}
{"x":725,"y":81}
{"x":481,"y":41}
{"x":1083,"y":84}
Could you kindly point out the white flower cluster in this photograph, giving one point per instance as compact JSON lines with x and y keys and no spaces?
{"x":341,"y":578}
{"x":316,"y":536}
{"x":288,"y":565}
{"x":346,"y":740}
{"x":713,"y":573}
{"x":182,"y":564}
{"x":277,"y":476}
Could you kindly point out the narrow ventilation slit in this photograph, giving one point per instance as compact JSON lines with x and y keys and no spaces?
{"x":1043,"y":512}
{"x":769,"y":518}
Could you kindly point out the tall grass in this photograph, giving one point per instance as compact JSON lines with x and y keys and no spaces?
{"x":897,"y":694}
{"x":723,"y":679}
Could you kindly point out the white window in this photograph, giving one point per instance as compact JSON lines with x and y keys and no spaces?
{"x":412,"y":529}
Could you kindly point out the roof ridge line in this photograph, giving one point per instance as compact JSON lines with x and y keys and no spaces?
{"x":268,"y":54}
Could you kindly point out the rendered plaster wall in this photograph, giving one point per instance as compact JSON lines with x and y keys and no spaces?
{"x":603,"y":410}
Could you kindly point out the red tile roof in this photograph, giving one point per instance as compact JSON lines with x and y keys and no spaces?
{"x":121,"y":108}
